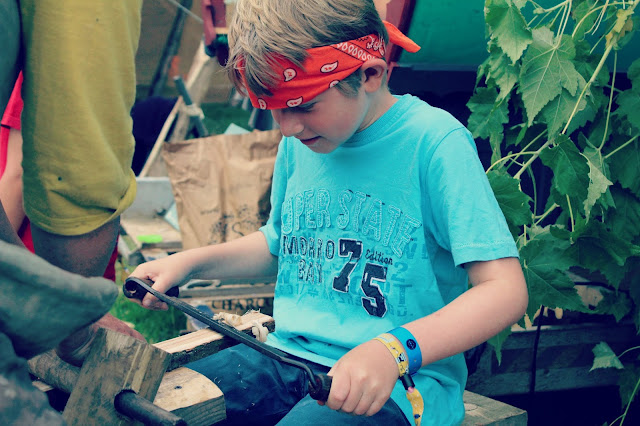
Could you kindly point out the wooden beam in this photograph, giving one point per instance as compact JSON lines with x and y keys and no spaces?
{"x":202,"y":343}
{"x":54,"y":371}
{"x":483,"y":411}
{"x":200,"y":73}
{"x":192,"y":396}
{"x":184,"y":392}
{"x":170,"y":50}
{"x":563,"y":361}
{"x":115,"y":362}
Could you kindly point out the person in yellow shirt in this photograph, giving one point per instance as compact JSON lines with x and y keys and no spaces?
{"x":78,"y":61}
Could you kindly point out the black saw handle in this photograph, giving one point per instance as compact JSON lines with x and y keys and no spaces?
{"x":133,"y":290}
{"x":320,"y":392}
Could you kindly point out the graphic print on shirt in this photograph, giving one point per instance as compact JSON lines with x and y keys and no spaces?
{"x":350,"y":246}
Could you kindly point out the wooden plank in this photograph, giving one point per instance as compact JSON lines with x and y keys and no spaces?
{"x":223,"y":290}
{"x":480,"y":410}
{"x":138,"y":227}
{"x":115,"y":362}
{"x":202,"y":343}
{"x":563,"y":361}
{"x":170,"y":50}
{"x":54,"y":371}
{"x":191,"y":396}
{"x":155,"y":166}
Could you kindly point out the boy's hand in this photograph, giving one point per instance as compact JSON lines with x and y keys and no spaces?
{"x":165,"y":273}
{"x":363,"y":379}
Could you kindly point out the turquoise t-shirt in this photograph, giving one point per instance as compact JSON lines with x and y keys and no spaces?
{"x":374,"y":235}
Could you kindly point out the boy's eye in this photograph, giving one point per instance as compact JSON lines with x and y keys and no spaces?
{"x":304,"y":108}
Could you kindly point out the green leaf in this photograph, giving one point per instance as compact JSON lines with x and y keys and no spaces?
{"x":625,"y":218}
{"x":514,"y":203}
{"x":604,"y":357}
{"x":547,"y":68}
{"x":634,"y":74}
{"x":634,"y":288}
{"x":586,"y":114}
{"x":502,"y":72}
{"x":629,"y":379}
{"x":621,"y":29}
{"x":557,"y":112}
{"x":629,"y":107}
{"x":584,"y":19}
{"x":598,"y":249}
{"x":598,"y":182}
{"x":508,"y":27}
{"x":487,"y":119}
{"x":614,"y":303}
{"x":625,"y":167}
{"x":570,"y":169}
{"x":544,"y":263}
{"x":498,"y":340}
{"x":586,"y":64}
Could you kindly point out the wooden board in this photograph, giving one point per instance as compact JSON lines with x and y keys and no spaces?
{"x":200,"y":75}
{"x":191,"y":396}
{"x":202,"y":343}
{"x":139,"y":227}
{"x":480,"y":410}
{"x":563,"y":361}
{"x":115,"y":362}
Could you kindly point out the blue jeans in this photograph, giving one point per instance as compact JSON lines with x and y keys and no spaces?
{"x":261,"y":391}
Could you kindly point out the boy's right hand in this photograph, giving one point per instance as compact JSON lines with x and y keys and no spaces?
{"x":363,"y":379}
{"x":165,"y":273}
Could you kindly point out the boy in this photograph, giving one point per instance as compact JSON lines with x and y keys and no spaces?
{"x":381,"y":215}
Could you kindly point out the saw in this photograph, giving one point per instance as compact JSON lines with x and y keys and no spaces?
{"x":137,"y":288}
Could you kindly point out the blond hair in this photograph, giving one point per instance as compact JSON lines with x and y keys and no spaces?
{"x":262,"y":30}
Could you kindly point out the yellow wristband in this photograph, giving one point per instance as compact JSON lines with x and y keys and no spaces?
{"x":400,"y":355}
{"x":397,"y":350}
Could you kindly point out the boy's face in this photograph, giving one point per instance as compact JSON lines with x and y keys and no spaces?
{"x":327,"y":121}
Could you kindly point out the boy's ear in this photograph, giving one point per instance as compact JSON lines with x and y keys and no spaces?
{"x":374,"y":73}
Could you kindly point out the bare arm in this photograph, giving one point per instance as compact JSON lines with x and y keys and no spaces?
{"x":11,"y":181}
{"x":364,"y":378}
{"x":247,"y":257}
{"x":10,"y":188}
{"x":497,"y":300}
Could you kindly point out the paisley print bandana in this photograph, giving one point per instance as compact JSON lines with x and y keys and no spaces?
{"x":323,"y":68}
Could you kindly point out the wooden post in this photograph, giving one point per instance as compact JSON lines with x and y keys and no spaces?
{"x":184,"y":392}
{"x":198,"y":80}
{"x":170,"y":50}
{"x":115,"y":362}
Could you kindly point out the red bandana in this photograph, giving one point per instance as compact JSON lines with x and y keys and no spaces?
{"x":324,"y":68}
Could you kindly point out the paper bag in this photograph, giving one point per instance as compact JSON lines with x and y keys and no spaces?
{"x":221,"y":185}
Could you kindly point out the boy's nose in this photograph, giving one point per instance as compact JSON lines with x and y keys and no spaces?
{"x":289,"y":123}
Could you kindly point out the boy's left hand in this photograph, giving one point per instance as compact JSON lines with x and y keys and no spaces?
{"x":363,"y":379}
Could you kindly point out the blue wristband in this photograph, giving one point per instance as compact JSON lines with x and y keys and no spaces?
{"x":411,"y":347}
